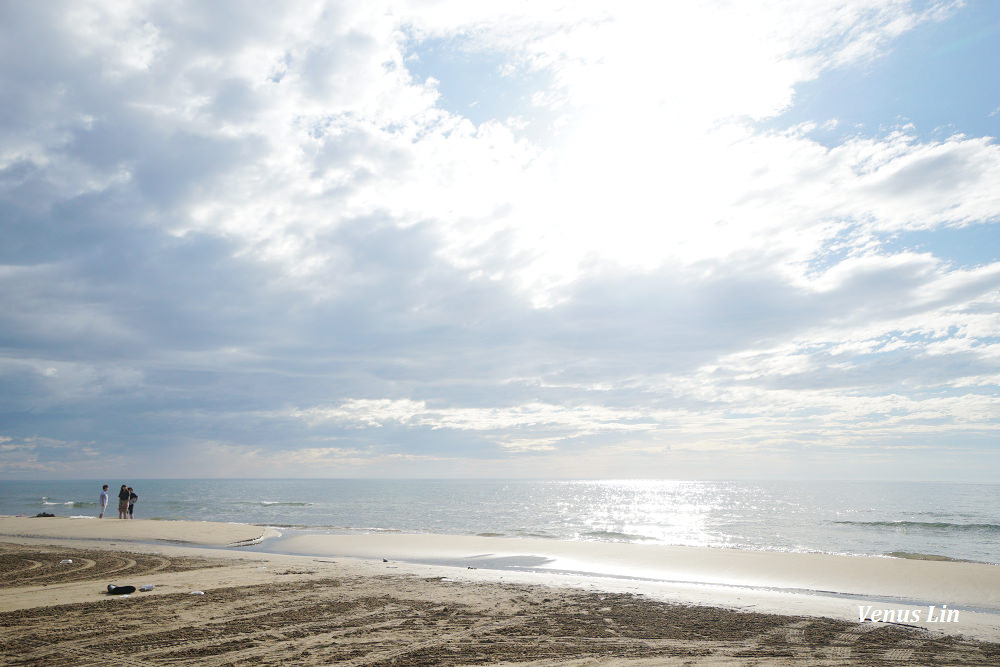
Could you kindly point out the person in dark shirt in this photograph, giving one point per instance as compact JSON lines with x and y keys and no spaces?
{"x":123,"y":496}
{"x":132,"y":498}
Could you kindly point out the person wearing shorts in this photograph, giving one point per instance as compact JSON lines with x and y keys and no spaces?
{"x":123,"y":497}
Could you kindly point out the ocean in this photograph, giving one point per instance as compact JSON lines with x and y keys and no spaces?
{"x":908,"y":519}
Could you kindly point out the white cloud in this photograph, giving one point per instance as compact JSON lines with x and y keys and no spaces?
{"x":381,"y":412}
{"x":41,"y":456}
{"x":321,"y":123}
{"x":211,"y":215}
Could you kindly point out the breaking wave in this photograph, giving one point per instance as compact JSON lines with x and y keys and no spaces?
{"x":927,"y":525}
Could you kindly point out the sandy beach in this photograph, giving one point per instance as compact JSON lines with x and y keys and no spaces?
{"x":430,"y":600}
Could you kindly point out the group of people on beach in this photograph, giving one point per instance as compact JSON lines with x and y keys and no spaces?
{"x":127,"y":498}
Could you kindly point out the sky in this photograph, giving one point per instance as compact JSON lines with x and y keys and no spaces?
{"x":437,"y":238}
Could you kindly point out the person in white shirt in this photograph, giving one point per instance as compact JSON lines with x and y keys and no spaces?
{"x":104,"y":501}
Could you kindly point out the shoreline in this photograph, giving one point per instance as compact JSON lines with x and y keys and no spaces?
{"x":826,"y":585}
{"x":830,"y":517}
{"x":273,"y":530}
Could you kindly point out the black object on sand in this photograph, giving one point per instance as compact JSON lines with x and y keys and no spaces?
{"x":120,"y":590}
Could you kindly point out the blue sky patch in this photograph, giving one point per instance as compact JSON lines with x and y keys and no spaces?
{"x":940,"y":77}
{"x":479,"y":85}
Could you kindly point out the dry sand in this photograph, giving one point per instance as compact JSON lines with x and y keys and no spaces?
{"x":264,"y":609}
{"x":206,"y":533}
